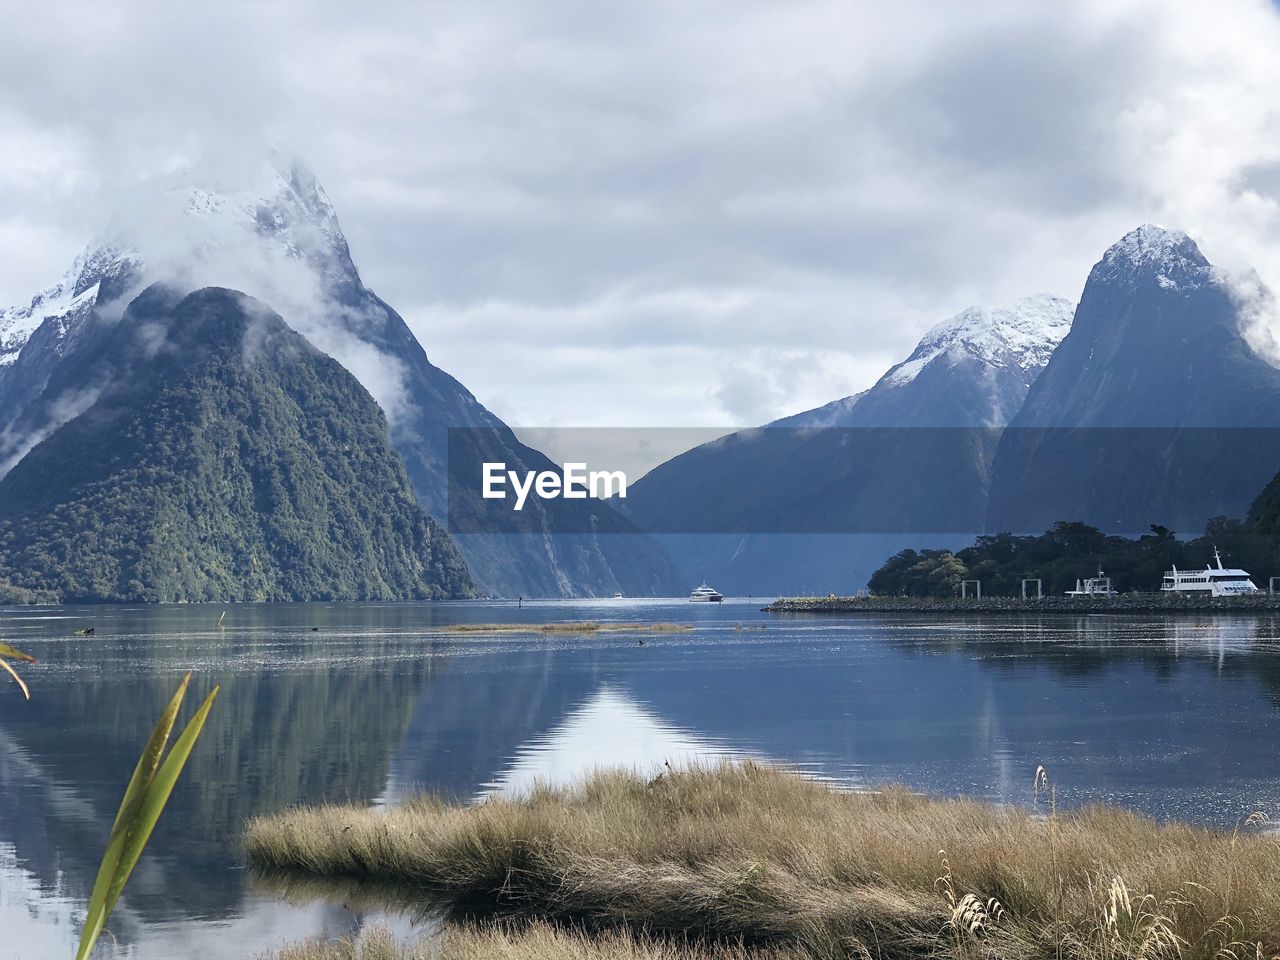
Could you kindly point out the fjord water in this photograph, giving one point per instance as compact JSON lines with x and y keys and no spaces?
{"x":1177,"y":718}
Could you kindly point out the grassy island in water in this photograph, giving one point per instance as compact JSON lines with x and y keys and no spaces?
{"x":746,"y":860}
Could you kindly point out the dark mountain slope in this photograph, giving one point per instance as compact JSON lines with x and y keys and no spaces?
{"x":1154,"y":409}
{"x":814,"y":502}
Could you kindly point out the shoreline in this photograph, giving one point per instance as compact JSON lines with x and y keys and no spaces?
{"x":1124,"y":603}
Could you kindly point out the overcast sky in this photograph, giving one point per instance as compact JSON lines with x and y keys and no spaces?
{"x":667,"y":213}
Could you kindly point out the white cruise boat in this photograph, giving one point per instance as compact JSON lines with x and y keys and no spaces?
{"x":1099,"y":586}
{"x":705,"y":594}
{"x":1216,"y":582}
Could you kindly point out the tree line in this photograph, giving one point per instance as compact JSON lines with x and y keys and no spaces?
{"x":1071,"y":550}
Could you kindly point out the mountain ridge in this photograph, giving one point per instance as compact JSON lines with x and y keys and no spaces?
{"x":1153,"y":409}
{"x":856,"y":464}
{"x":279,"y":239}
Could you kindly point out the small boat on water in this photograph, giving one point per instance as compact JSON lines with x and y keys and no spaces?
{"x":705,"y":594}
{"x":1099,"y":586}
{"x":617,"y":595}
{"x":1216,"y":582}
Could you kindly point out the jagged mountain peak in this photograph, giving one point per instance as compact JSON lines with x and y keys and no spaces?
{"x":1152,"y":243}
{"x":1170,"y":256}
{"x":220,"y":224}
{"x":280,"y":199}
{"x":1157,"y":341}
{"x":268,"y":230}
{"x":63,"y":302}
{"x":224,"y":223}
{"x":1151,"y":385}
{"x":1023,"y":334}
{"x":273,"y":180}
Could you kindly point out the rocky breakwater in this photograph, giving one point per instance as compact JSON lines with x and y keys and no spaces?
{"x":1124,"y":603}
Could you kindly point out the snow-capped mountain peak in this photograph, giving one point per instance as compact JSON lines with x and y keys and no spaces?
{"x":206,"y":229}
{"x":1150,"y":243}
{"x":282,"y":201}
{"x":1170,"y":255}
{"x":64,"y":302}
{"x":1022,"y":335}
{"x":210,"y":222}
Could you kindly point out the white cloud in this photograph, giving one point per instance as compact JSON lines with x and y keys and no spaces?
{"x":622,"y":215}
{"x":16,"y":444}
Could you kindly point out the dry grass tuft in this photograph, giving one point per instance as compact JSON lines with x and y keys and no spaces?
{"x":531,"y":942}
{"x":750,"y":854}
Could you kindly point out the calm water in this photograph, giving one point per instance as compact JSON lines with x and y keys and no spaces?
{"x":1174,"y":717}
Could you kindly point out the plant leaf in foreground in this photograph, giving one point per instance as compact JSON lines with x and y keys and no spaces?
{"x":144,"y":800}
{"x":13,"y":653}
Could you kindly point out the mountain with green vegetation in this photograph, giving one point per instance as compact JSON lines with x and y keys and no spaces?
{"x":217,"y":455}
{"x":276,"y":235}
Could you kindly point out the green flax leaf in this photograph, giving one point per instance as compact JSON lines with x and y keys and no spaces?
{"x":144,"y":800}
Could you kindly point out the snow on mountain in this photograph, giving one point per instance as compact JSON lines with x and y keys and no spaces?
{"x":994,"y":352}
{"x":1156,"y":360}
{"x":271,"y":232}
{"x":1171,"y":255}
{"x":65,"y":302}
{"x":283,"y":204}
{"x":281,"y":224}
{"x":1023,"y":335}
{"x":1149,"y":243}
{"x":853,"y":463}
{"x":59,"y":302}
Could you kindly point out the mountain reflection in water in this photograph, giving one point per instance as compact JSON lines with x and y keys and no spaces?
{"x":1173,"y":717}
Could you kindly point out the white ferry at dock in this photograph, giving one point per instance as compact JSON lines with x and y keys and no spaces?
{"x":1216,"y":582}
